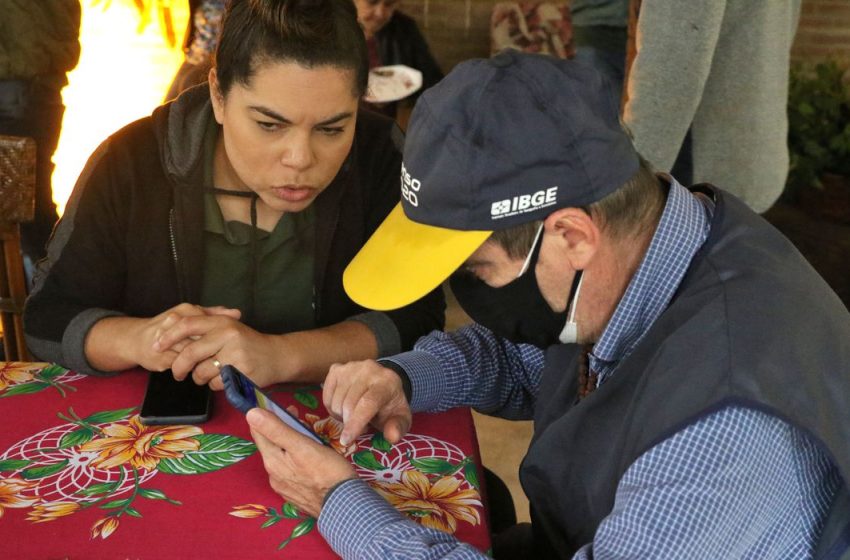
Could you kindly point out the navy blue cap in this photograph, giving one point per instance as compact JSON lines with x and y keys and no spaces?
{"x":507,"y":140}
{"x":495,"y":144}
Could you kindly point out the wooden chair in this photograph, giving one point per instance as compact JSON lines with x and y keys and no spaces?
{"x":17,"y":205}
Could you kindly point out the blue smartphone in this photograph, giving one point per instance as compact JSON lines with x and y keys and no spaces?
{"x":244,"y":395}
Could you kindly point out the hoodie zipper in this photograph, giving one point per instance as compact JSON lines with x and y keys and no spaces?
{"x":173,"y":238}
{"x":171,"y":235}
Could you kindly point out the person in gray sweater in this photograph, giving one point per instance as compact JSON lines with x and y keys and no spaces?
{"x":719,"y":69}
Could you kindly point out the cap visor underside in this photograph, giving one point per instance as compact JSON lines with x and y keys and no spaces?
{"x":404,"y":260}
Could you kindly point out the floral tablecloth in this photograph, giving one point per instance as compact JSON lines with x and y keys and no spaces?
{"x":81,"y":477}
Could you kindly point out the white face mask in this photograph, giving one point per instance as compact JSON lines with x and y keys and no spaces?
{"x":569,"y":334}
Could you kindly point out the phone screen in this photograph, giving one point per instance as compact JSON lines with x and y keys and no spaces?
{"x":168,"y":401}
{"x":244,"y":395}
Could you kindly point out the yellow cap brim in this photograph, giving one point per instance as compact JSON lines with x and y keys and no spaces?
{"x":404,"y":260}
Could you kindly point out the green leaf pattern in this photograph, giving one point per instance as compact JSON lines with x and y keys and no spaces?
{"x":303,"y":528}
{"x":77,"y":437}
{"x":48,"y":376}
{"x":289,"y":511}
{"x":52,"y":371}
{"x":217,"y":451}
{"x":41,"y":472}
{"x":108,"y":416}
{"x":13,"y":464}
{"x":434,"y":467}
{"x":152,"y":494}
{"x":100,"y":488}
{"x":367,"y":460}
{"x":470,"y":471}
{"x":307,"y":399}
{"x":26,"y":388}
{"x":380,"y":443}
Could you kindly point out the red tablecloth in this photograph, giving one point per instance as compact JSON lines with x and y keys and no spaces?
{"x":80,"y":477}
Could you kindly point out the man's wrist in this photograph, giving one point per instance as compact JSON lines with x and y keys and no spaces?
{"x":334,"y":487}
{"x":402,"y":374}
{"x":352,"y":516}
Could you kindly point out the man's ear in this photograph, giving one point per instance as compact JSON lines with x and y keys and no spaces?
{"x":576,"y":234}
{"x":216,"y":97}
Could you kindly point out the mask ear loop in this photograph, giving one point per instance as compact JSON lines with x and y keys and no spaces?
{"x":573,"y":305}
{"x":569,"y":333}
{"x":527,"y":262}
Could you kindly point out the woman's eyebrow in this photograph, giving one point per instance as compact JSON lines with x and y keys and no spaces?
{"x":273,"y":115}
{"x":269,"y":113}
{"x":336,"y":118}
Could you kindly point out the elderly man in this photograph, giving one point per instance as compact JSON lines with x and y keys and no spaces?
{"x":693,"y":399}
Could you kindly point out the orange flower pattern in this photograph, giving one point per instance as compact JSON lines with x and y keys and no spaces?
{"x":104,"y":527}
{"x":107,"y":440}
{"x":50,"y":511}
{"x":435,"y":497}
{"x":330,"y":430}
{"x":13,"y":373}
{"x":438,"y":505}
{"x":249,"y":511}
{"x":141,"y":446}
{"x":11,"y":493}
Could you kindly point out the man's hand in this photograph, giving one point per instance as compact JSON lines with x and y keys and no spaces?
{"x":300,"y":470}
{"x":363,"y":393}
{"x":223,"y":338}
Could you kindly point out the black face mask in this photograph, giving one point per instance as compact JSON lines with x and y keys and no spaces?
{"x":516,"y":311}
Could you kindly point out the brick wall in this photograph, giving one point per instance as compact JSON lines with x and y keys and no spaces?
{"x":456,"y":29}
{"x":460,"y":29}
{"x":824,"y":31}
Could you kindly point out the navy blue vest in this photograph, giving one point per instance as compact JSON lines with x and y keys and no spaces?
{"x":751,"y":324}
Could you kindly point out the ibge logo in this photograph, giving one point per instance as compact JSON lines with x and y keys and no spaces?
{"x":409,"y":187}
{"x":523,"y":203}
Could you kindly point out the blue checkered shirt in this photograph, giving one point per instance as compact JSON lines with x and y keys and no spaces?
{"x":737,"y":483}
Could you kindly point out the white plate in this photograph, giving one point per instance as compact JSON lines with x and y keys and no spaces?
{"x":391,"y":83}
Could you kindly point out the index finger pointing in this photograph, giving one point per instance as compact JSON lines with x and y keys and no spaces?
{"x":364,"y":411}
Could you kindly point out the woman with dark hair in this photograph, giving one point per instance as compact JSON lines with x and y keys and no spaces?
{"x":217,"y":229}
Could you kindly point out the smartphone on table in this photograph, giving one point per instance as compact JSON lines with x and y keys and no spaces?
{"x":244,"y":395}
{"x":168,"y":401}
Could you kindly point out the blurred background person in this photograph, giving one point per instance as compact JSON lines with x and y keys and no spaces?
{"x":39,"y":45}
{"x":201,"y":41}
{"x":708,"y":92}
{"x":394,"y":38}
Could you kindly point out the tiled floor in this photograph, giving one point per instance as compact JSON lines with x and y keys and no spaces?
{"x":503,"y":442}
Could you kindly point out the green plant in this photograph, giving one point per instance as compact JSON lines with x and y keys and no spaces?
{"x":818,"y":124}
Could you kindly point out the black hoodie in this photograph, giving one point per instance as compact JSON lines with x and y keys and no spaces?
{"x":131,"y":240}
